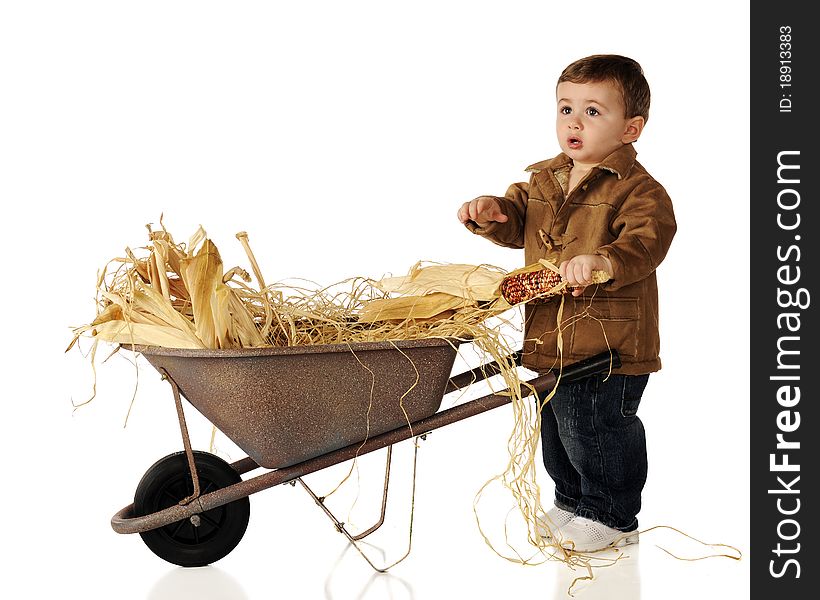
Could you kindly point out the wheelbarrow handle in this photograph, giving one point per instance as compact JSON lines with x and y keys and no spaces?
{"x":477,"y":374}
{"x":600,"y":363}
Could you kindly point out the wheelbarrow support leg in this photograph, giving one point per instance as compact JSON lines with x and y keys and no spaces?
{"x":354,"y":539}
{"x":186,"y":439}
{"x":380,"y":522}
{"x":320,"y":500}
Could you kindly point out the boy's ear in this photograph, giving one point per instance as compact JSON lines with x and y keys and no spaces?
{"x":634,"y":127}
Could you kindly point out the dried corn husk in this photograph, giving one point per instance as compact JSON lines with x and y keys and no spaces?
{"x":173,"y":297}
{"x":477,"y":283}
{"x":202,"y":273}
{"x":243,"y":329}
{"x":128,"y":332}
{"x":411,"y":307}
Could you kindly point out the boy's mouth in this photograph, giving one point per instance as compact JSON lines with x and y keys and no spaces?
{"x":574,"y":143}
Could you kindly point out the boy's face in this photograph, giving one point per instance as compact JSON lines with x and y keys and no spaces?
{"x":591,"y":122}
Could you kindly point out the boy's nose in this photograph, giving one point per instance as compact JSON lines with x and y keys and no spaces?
{"x":574,"y":124}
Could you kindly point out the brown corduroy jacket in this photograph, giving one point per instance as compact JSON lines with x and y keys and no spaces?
{"x":618,"y":211}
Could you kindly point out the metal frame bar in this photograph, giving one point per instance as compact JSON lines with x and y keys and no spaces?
{"x":186,"y":439}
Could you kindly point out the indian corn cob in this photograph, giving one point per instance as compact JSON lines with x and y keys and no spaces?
{"x":539,"y":285}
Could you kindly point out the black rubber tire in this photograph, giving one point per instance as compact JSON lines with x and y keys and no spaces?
{"x":166,"y":483}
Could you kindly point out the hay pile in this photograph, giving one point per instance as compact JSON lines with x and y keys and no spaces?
{"x":180,"y":295}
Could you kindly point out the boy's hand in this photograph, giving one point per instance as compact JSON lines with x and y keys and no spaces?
{"x":578,"y":270}
{"x":483,"y":210}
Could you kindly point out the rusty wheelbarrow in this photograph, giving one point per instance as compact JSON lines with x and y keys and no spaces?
{"x":294,"y":411}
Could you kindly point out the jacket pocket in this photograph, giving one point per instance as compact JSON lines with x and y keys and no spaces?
{"x":601,"y":321}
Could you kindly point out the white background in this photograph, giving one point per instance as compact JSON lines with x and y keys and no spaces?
{"x":343,"y":137}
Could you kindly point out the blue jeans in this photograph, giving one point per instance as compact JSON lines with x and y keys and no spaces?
{"x":595,"y":448}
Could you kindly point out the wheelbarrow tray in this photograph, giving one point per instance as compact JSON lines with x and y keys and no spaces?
{"x":284,"y":405}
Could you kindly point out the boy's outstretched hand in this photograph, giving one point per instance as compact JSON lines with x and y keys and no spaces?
{"x":578,"y":270}
{"x":483,"y":210}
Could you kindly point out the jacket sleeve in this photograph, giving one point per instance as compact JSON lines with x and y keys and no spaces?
{"x":644,"y":226}
{"x":514,"y":205}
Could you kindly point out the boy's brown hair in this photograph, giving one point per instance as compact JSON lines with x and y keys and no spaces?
{"x":622,"y":71}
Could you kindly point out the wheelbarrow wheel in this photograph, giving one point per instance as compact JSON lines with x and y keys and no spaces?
{"x":191,"y":542}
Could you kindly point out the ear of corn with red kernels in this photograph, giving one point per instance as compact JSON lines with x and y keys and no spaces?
{"x":538,"y":286}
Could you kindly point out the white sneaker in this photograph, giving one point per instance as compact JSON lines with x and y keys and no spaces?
{"x":586,"y":535}
{"x":555,"y":518}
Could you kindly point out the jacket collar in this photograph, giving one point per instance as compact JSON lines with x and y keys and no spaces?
{"x":619,"y":162}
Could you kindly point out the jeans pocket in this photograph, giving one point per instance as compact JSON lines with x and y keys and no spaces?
{"x":634,"y":386}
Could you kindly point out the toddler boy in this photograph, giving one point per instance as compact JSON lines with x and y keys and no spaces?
{"x":592,"y":207}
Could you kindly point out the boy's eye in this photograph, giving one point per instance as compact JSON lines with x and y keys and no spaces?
{"x":565,"y":110}
{"x":592,"y":111}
